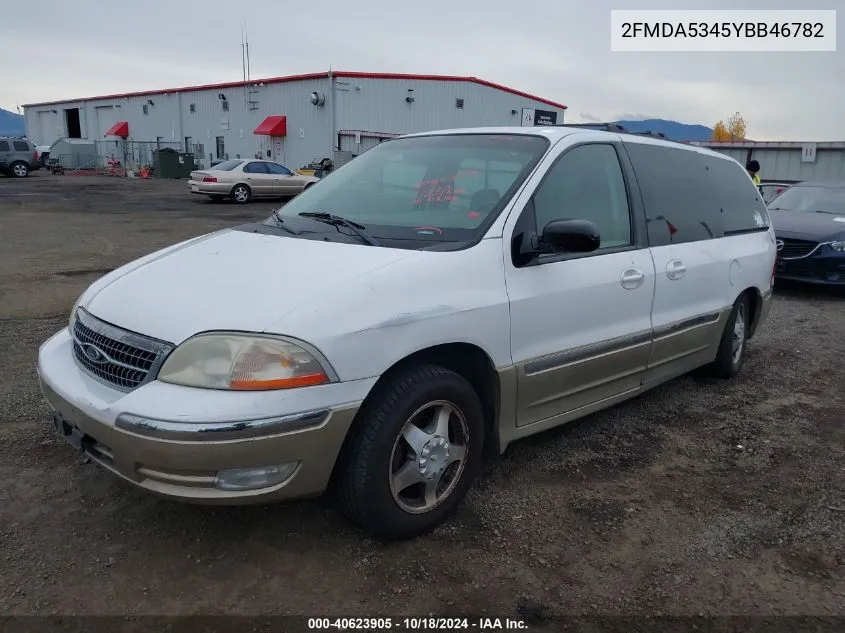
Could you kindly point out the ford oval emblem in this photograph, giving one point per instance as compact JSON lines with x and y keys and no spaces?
{"x":779,"y":245}
{"x":93,"y":353}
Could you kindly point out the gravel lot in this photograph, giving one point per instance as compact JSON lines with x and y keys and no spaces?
{"x":701,"y":497}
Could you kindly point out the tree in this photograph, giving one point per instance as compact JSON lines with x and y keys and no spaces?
{"x":731,"y":130}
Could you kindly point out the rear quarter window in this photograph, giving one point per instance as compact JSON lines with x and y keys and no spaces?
{"x":681,"y":198}
{"x":743,"y":209}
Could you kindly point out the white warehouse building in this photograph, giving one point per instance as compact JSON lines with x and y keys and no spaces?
{"x":294,"y":119}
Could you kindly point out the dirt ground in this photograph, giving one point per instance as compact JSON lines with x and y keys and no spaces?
{"x":700,"y":497}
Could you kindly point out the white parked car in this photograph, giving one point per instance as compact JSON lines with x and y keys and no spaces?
{"x":441,"y":293}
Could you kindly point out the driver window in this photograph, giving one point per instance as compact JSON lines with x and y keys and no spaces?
{"x":586,"y":183}
{"x":278,"y":170}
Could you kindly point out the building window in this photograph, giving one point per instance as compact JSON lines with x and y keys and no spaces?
{"x":225,"y":105}
{"x":192,"y":108}
{"x":145,"y":108}
{"x":189,"y":145}
{"x":459,"y":103}
{"x":221,"y":147}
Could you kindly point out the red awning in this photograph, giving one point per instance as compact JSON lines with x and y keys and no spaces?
{"x":121,"y":129}
{"x":273,"y":126}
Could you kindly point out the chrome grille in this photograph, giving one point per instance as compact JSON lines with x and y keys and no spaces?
{"x":115,"y":356}
{"x":796,"y":248}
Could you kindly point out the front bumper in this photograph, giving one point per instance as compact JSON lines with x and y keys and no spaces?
{"x":825,"y":268}
{"x":173,"y":441}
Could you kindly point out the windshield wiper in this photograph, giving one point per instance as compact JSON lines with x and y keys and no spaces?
{"x":282,"y":223}
{"x":336,"y":220}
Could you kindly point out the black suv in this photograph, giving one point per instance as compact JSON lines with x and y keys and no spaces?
{"x":18,"y":157}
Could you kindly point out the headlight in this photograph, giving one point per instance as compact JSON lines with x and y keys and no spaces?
{"x":242,"y":362}
{"x":839,"y":247}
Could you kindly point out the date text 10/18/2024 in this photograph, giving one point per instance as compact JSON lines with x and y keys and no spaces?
{"x":416,"y":624}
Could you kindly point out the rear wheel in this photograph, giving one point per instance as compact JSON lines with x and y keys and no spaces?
{"x":20,"y":169}
{"x":241,"y":194}
{"x":413,"y":453}
{"x":734,"y":341}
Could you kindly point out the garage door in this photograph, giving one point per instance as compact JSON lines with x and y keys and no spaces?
{"x":106,"y":117}
{"x":47,"y":128}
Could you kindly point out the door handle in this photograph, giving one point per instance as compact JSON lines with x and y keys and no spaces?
{"x":675,"y":269}
{"x":632,"y":278}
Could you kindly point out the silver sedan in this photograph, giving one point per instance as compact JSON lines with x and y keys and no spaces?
{"x":245,"y":179}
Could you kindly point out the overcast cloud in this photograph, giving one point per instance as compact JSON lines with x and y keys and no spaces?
{"x":559,"y":49}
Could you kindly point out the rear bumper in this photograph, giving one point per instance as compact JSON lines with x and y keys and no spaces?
{"x":210,"y":188}
{"x":765,"y":308}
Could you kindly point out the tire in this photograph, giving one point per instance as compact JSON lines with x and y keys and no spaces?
{"x":438,"y":472}
{"x":241,"y":194}
{"x":19,"y":169}
{"x":734,"y":341}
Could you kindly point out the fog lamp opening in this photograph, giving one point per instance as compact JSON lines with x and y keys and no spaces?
{"x":254,"y":478}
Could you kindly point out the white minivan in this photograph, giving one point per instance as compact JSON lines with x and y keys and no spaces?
{"x":440,"y":294}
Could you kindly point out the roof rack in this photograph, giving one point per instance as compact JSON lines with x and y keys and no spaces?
{"x":605,"y":127}
{"x":614,"y":127}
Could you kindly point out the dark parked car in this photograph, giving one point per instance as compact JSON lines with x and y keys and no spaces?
{"x":18,"y":157}
{"x":809,"y":221}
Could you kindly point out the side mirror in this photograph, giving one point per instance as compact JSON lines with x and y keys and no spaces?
{"x":570,"y":236}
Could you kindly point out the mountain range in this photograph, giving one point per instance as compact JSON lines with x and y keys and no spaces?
{"x":11,"y":124}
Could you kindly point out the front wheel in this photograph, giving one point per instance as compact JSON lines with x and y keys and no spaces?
{"x":20,"y":170}
{"x":241,"y":194}
{"x":413,"y":453}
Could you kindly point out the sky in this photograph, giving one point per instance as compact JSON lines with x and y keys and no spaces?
{"x":558,"y":49}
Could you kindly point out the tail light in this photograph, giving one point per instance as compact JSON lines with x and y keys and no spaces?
{"x":35,"y":156}
{"x":209,"y":179}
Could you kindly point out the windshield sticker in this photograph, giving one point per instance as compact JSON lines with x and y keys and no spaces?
{"x":436,"y":190}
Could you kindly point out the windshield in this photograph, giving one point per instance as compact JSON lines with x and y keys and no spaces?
{"x":433,"y":188}
{"x":811,"y":200}
{"x":228,"y":165}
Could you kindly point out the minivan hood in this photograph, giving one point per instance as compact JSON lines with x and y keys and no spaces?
{"x":230,"y":280}
{"x":807,"y":226}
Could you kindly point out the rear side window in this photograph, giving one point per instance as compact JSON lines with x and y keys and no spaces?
{"x":229,"y":165}
{"x":4,"y":146}
{"x":21,"y":146}
{"x":255,"y":168}
{"x":681,"y":198}
{"x":743,"y":210}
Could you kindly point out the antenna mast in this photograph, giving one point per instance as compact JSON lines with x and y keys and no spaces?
{"x":243,"y":57}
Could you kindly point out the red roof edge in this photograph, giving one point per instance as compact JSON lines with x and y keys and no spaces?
{"x":307,"y":76}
